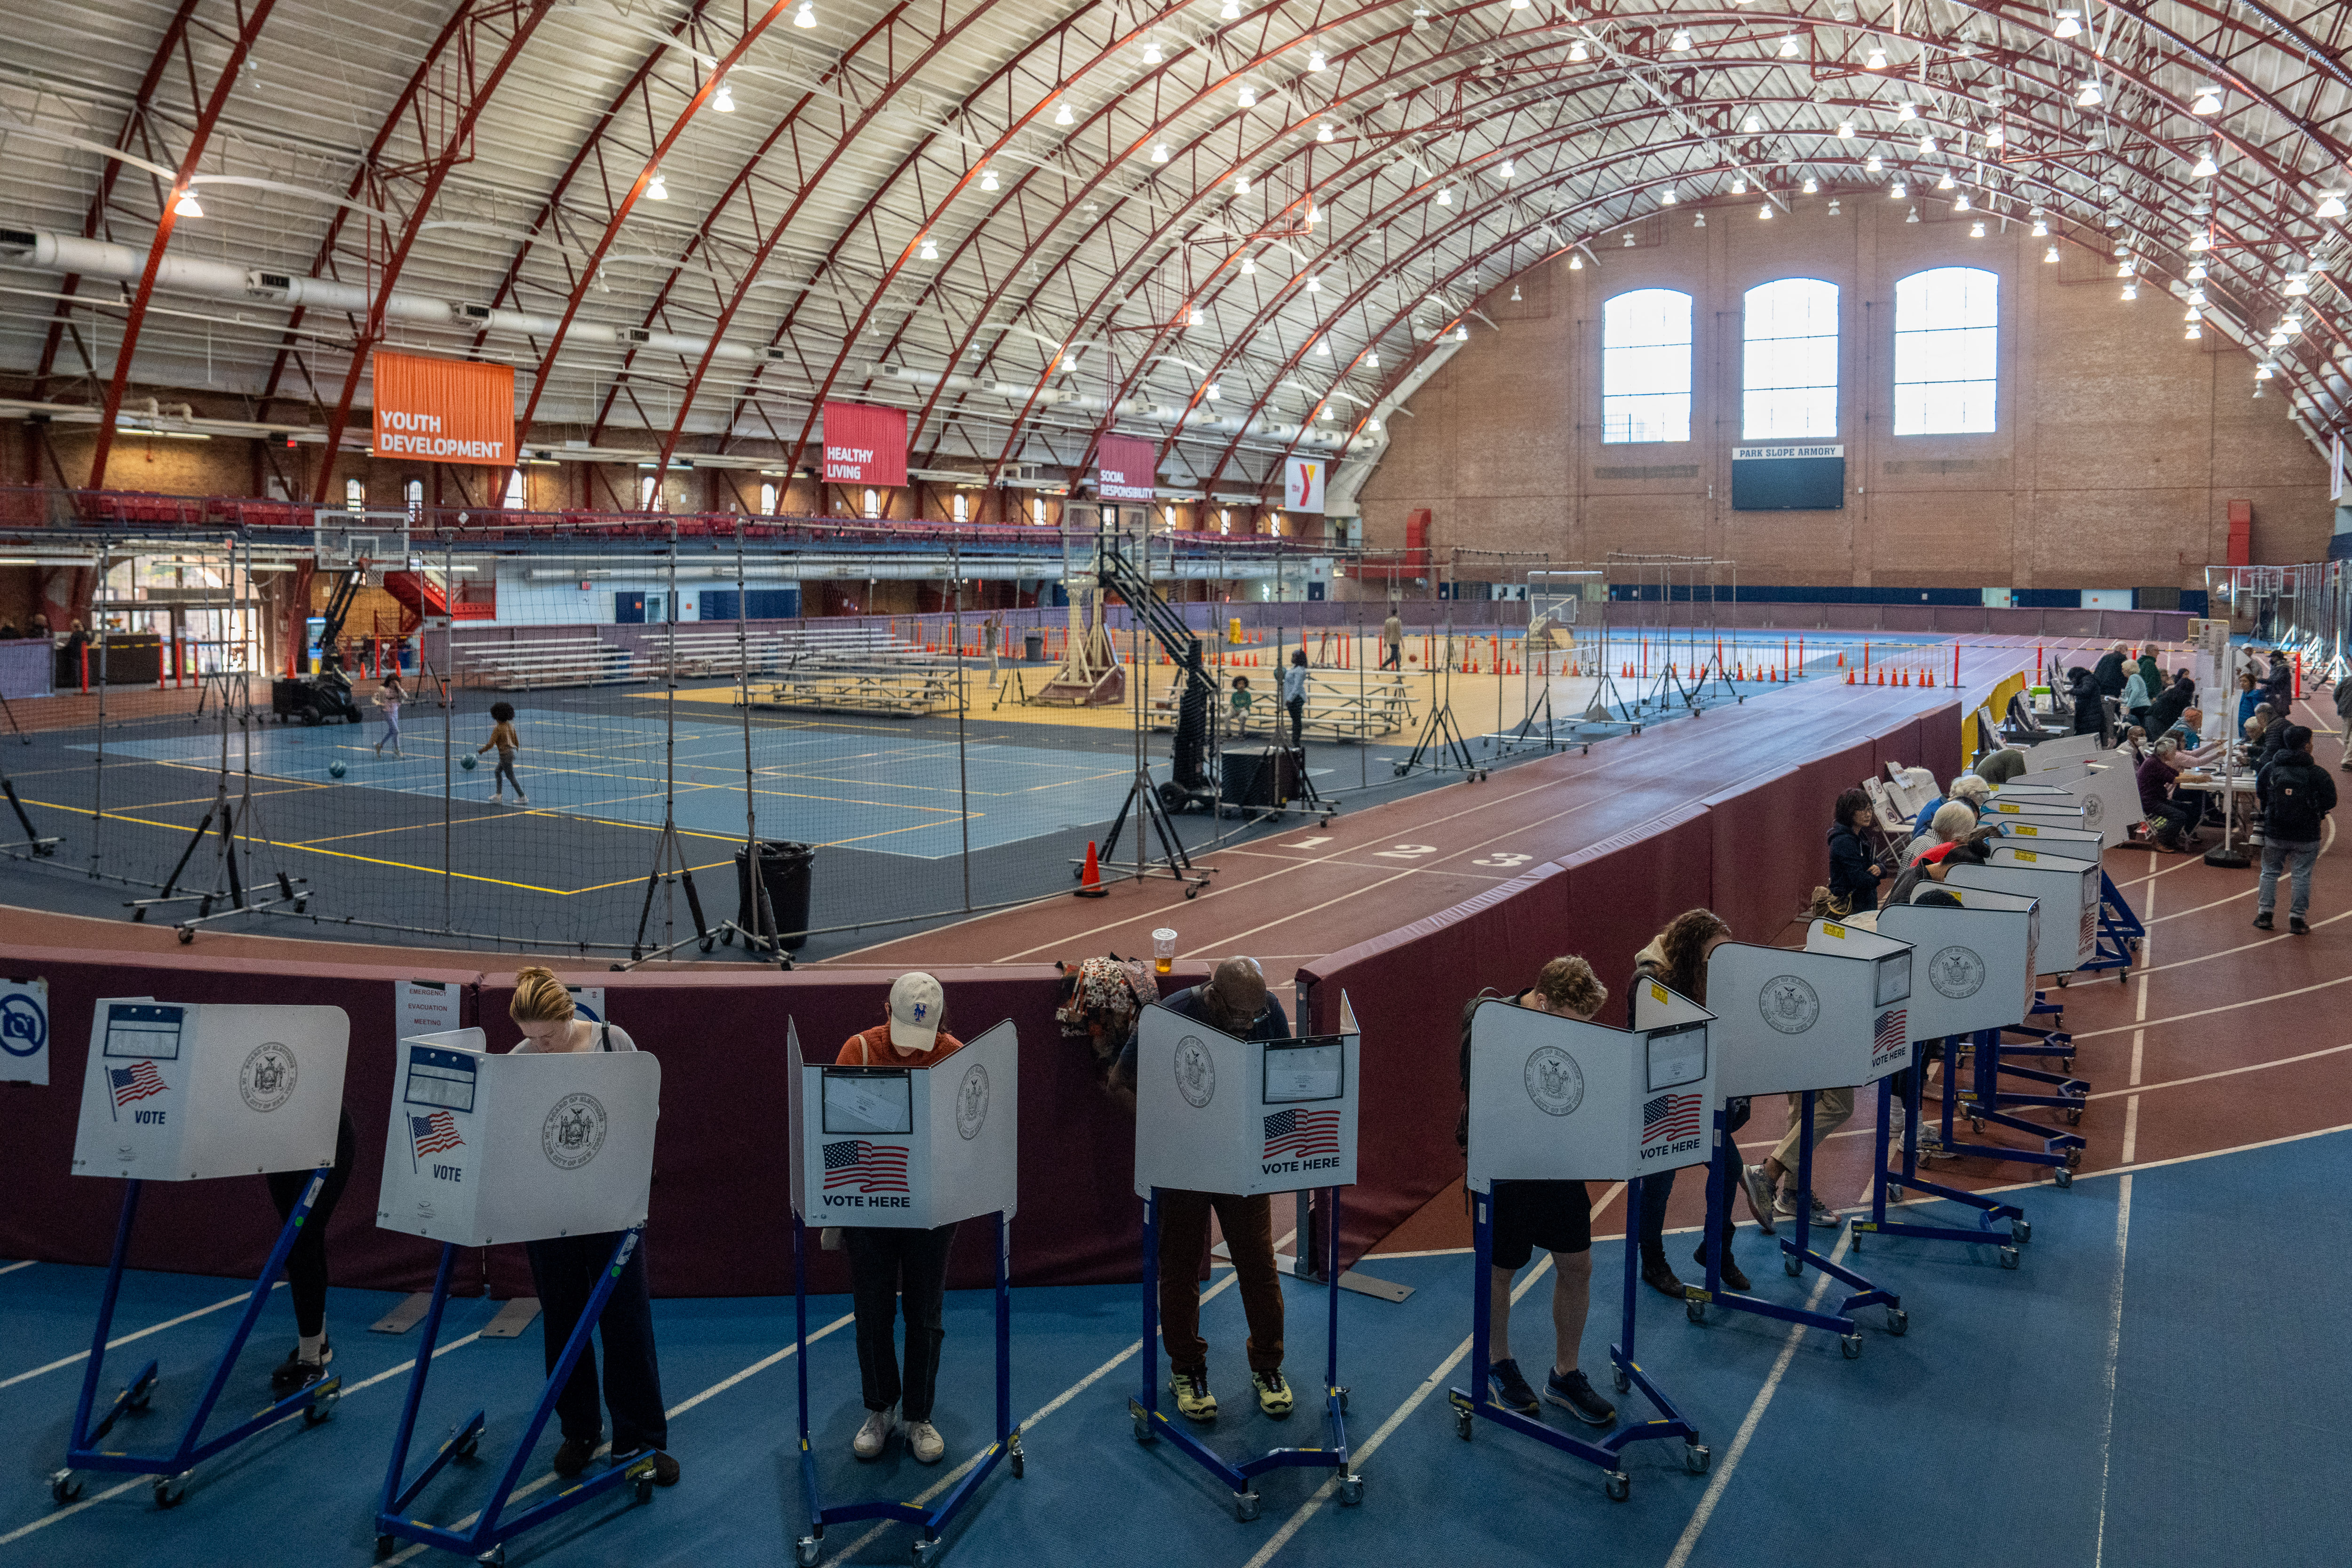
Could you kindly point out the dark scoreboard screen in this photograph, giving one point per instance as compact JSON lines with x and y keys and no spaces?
{"x":1788,"y":477}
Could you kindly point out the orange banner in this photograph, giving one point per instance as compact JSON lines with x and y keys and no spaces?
{"x":444,"y":410}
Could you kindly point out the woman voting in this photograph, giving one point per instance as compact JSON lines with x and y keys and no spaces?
{"x":564,"y":1269}
{"x":886,"y":1265}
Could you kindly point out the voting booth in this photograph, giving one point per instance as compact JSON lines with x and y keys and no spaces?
{"x":176,"y":1091}
{"x":906,"y":1148}
{"x":2109,"y":797}
{"x":2049,"y":756}
{"x":522,"y":1146}
{"x":2067,"y":889}
{"x":1833,"y":1015}
{"x":1218,"y":1114}
{"x":1555,"y":1099}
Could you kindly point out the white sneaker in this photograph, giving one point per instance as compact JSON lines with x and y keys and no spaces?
{"x":876,"y":1433}
{"x":923,"y":1441}
{"x":1896,"y":1117}
{"x":521,"y":799}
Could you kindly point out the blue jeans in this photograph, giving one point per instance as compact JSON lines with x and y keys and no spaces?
{"x":2298,"y":859}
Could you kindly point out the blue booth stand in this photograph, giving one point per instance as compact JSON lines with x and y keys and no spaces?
{"x":192,"y":1092}
{"x":485,"y":1149}
{"x":909,"y":1149}
{"x":1556,"y":1098}
{"x":1210,"y":1111}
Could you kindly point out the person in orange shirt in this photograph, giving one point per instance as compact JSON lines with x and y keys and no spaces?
{"x":889,"y":1264}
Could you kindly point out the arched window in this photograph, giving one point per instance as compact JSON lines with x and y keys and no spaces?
{"x":768,"y":501}
{"x":355,"y":494}
{"x":962,"y":505}
{"x":1646,"y":366}
{"x":873,"y":503}
{"x":413,"y":493}
{"x":648,"y":494}
{"x":518,"y":495}
{"x":1947,"y":329}
{"x":1789,"y":372}
{"x":1038,"y":510}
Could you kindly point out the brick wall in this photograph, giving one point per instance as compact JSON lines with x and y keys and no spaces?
{"x":2118,"y":448}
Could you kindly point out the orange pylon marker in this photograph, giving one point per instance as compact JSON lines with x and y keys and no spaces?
{"x":1849,"y":677}
{"x":1090,"y":882}
{"x":1841,"y":658}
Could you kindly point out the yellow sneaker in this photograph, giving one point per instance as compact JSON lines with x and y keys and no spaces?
{"x":1272,"y":1393}
{"x":1193,"y":1396}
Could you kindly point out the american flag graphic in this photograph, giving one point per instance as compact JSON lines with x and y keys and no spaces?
{"x":1667,"y":1116}
{"x":136,"y":1081}
{"x":871,"y":1167}
{"x":1892,"y":1034}
{"x":435,"y":1134}
{"x":1296,"y":1134}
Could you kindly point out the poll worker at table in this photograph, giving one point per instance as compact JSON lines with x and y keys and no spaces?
{"x":886,"y":1265}
{"x":2171,"y":703}
{"x":1676,"y":959}
{"x":306,"y":1265}
{"x":2173,"y":817}
{"x":1234,"y":1002}
{"x":2296,"y":796}
{"x":1556,"y":1215}
{"x":564,"y":1270}
{"x":1855,"y":871}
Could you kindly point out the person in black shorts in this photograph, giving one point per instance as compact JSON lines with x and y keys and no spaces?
{"x":1557,"y":1217}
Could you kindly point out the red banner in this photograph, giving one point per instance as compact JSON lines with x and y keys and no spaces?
{"x":865,"y":446}
{"x":1123,"y":468}
{"x":444,"y":410}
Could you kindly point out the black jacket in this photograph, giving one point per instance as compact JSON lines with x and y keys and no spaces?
{"x":2166,"y":710}
{"x":2083,"y":692}
{"x":2296,"y":796}
{"x":1850,"y":865}
{"x":2110,"y":675}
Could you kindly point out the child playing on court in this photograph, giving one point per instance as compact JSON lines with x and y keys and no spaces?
{"x":389,"y":697}
{"x":503,"y":736}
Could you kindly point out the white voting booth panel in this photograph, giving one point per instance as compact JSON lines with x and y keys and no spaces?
{"x":2050,"y":756}
{"x":2045,"y":789}
{"x":181,"y":1091}
{"x":2068,"y":891}
{"x":1555,"y":1098}
{"x":1973,"y":969}
{"x":2079,"y":842}
{"x":1214,"y":1114}
{"x":520,"y":1147}
{"x":1788,"y":1021}
{"x":2040,"y":813}
{"x":2109,"y":796}
{"x":908,"y":1148}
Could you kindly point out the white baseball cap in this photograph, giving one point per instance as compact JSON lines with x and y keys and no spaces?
{"x":916,"y":1004}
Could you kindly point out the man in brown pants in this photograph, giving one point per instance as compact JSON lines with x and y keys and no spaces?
{"x":1234,"y":1002}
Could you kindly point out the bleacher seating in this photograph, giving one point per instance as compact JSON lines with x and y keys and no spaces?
{"x":547,"y":662}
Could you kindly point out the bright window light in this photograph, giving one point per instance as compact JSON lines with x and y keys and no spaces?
{"x":1947,"y":330}
{"x":1789,"y":373}
{"x":1646,"y":367}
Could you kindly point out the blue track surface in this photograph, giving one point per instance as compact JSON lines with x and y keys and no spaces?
{"x":1987,"y":1434}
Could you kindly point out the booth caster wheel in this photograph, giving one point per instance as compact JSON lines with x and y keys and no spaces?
{"x":384,"y":1547}
{"x":65,"y":1485}
{"x":2009,"y":1258}
{"x":323,"y":1408}
{"x":2021,"y":1230}
{"x":643,"y":1488}
{"x":1898,"y":1321}
{"x":1462,"y":1425}
{"x":141,"y":1393}
{"x":1852,"y":1345}
{"x":1193,"y":892}
{"x":1696,"y":1457}
{"x":2074,"y":1159}
{"x":1342,"y":1396}
{"x":1246,"y":1506}
{"x":496,"y":1557}
{"x":924,"y":1551}
{"x":1976,"y":1125}
{"x":186,"y":936}
{"x":1143,"y":1433}
{"x":2064,"y":1177}
{"x":170,"y":1490}
{"x":1013,"y":1452}
{"x":2074,"y":1115}
{"x":804,"y":1551}
{"x":1792,"y":1264}
{"x":1623,"y":1383}
{"x":468,"y":1446}
{"x":1619,"y":1484}
{"x":1695,"y":1309}
{"x":1352,"y":1491}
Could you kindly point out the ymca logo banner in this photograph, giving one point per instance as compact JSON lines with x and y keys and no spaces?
{"x":1302,"y":483}
{"x":444,"y":410}
{"x":863,"y":445}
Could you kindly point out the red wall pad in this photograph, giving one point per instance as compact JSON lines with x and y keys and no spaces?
{"x":1767,"y":856}
{"x":1939,"y":743}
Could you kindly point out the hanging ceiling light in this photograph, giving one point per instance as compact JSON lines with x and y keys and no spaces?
{"x":2207,"y":102}
{"x":1249,"y":267}
{"x":1241,"y":185}
{"x":1904,"y":110}
{"x":1314,"y":284}
{"x":1680,"y":43}
{"x":1062,"y":115}
{"x":2131,"y":291}
{"x":987,"y":178}
{"x":1812,"y":188}
{"x":1628,"y":239}
{"x":1833,"y":207}
{"x":1445,"y":196}
{"x":1764,"y":213}
{"x":1877,"y":60}
{"x":1160,"y":151}
{"x":1914,"y":217}
{"x":1995,"y":136}
{"x":2041,"y":228}
{"x":1926,"y":146}
{"x":2089,"y":96}
{"x":187,"y":205}
{"x":1576,"y":51}
{"x":1151,"y":55}
{"x":1323,"y":351}
{"x":1899,"y":193}
{"x":656,"y":190}
{"x":2276,"y":339}
{"x":1231,"y":11}
{"x":1753,"y":124}
{"x":1945,"y":184}
{"x":2331,"y":204}
{"x":1323,"y":132}
{"x":1739,"y":184}
{"x":2196,"y":271}
{"x":1372,"y":424}
{"x":1210,"y":392}
{"x":1845,"y":130}
{"x":1698,"y":219}
{"x":1372,"y":358}
{"x":1314,"y":214}
{"x":2126,"y":267}
{"x":2050,"y":254}
{"x":2293,"y":324}
{"x":1507,"y":170}
{"x":722,"y":102}
{"x":930,"y":252}
{"x":806,"y":16}
{"x":1575,"y":261}
{"x":1316,"y":60}
{"x":1514,"y":294}
{"x":2200,"y":240}
{"x":2297,"y":284}
{"x":2205,"y":168}
{"x":2069,"y":25}
{"x":1245,"y":96}
{"x":1462,"y":334}
{"x":2197,"y":296}
{"x":1872,"y":164}
{"x":1976,"y":229}
{"x":1789,"y":46}
{"x":1668,"y":198}
{"x":2193,"y":333}
{"x":2264,"y":371}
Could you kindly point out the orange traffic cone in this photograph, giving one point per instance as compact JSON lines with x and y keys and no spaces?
{"x":1849,"y":678}
{"x":1841,"y":664}
{"x":1090,"y":883}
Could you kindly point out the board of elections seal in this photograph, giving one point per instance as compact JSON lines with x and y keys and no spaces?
{"x":1554,"y":1081}
{"x":1789,"y":1004}
{"x":1196,"y":1072}
{"x":971,"y":1101}
{"x":1956,"y":972}
{"x":266,"y":1079}
{"x":573,"y":1132}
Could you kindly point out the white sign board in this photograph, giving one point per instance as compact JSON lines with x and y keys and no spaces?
{"x":1787,"y":1022}
{"x":1973,"y":969}
{"x":1302,"y":483}
{"x":24,"y":1031}
{"x":1214,"y":1114}
{"x":1561,"y":1098}
{"x":2109,"y":798}
{"x":522,"y":1147}
{"x":908,"y":1148}
{"x":2068,"y":891}
{"x":425,"y":1007}
{"x":184,"y":1091}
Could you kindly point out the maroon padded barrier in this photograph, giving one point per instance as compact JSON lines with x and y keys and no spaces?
{"x":1939,"y":741}
{"x":224,"y":1226}
{"x":1900,"y":746}
{"x":1765,"y":863}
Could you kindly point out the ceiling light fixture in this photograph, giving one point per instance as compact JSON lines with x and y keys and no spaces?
{"x":930,"y":252}
{"x":1812,"y":187}
{"x":1833,"y":207}
{"x":1241,"y":185}
{"x":1764,"y":213}
{"x":1575,"y":261}
{"x":722,"y":102}
{"x":1681,"y":42}
{"x":2197,"y":296}
{"x":1905,"y":111}
{"x":1877,"y":60}
{"x":1914,"y":217}
{"x":1062,"y":115}
{"x":1926,"y":146}
{"x":2331,"y":204}
{"x":2131,"y":292}
{"x":1976,"y":229}
{"x":2193,"y":333}
{"x":1753,"y":124}
{"x":1668,"y":198}
{"x":1323,"y":132}
{"x":2068,"y":26}
{"x":1514,"y":294}
{"x":2089,"y":96}
{"x":806,"y":16}
{"x":1445,"y":196}
{"x":1315,"y":60}
{"x":1210,"y":392}
{"x":987,"y":178}
{"x":1899,"y":193}
{"x":1314,"y":284}
{"x":2207,"y":102}
{"x":1462,"y":334}
{"x":1245,"y":96}
{"x":2297,"y":284}
{"x":1845,"y":130}
{"x":1160,"y":151}
{"x":1872,"y":164}
{"x":1576,"y":51}
{"x":1151,"y":55}
{"x":656,"y":190}
{"x":1372,"y":424}
{"x":1507,"y":170}
{"x":2050,"y":254}
{"x":187,"y":205}
{"x":1698,"y":220}
{"x":1789,"y":46}
{"x":1739,"y":184}
{"x":1945,"y":184}
{"x":1249,"y":267}
{"x":2205,"y":168}
{"x":1231,"y":11}
{"x":1372,"y":358}
{"x":2196,"y":271}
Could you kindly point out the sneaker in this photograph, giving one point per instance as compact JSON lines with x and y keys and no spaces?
{"x":1825,"y":1216}
{"x":1759,"y":1195}
{"x":874,"y":1434}
{"x":1193,"y":1396}
{"x":665,"y":1468}
{"x":1272,"y":1393}
{"x":294,"y":1373}
{"x":571,"y":1455}
{"x":1731,"y":1273}
{"x":1511,"y":1391}
{"x":923,"y":1441}
{"x":1659,"y":1276}
{"x":2295,"y":924}
{"x":2262,"y":921}
{"x":1820,"y":1212}
{"x":521,"y":799}
{"x":1897,"y":1116}
{"x":1574,"y":1395}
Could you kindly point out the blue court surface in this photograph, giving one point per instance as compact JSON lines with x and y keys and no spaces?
{"x":2129,"y":1396}
{"x":893,"y":793}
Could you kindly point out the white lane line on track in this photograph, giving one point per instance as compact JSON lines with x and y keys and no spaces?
{"x":80,"y":1356}
{"x":12,"y":1268}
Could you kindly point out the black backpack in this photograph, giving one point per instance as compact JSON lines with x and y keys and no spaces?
{"x":2295,"y":807}
{"x":1462,"y":1122}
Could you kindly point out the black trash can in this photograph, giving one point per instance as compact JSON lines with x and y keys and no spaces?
{"x":1032,"y":646}
{"x":784,"y":872}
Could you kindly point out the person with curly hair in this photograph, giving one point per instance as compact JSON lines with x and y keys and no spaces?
{"x":1101,"y":1001}
{"x":1676,"y":959}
